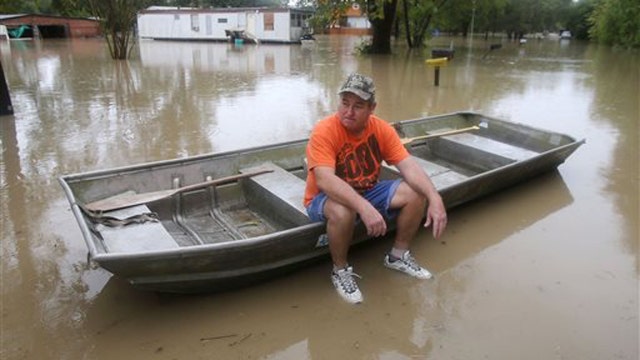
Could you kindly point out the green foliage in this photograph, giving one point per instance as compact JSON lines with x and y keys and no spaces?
{"x":577,"y":18}
{"x":118,"y":19}
{"x":418,"y":17}
{"x":229,"y":3}
{"x":515,"y":17}
{"x":616,"y":22}
{"x":25,"y":6}
{"x":328,"y":12}
{"x":364,"y":47}
{"x":81,"y":8}
{"x":74,"y":8}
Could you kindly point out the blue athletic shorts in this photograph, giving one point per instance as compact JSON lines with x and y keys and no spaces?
{"x":379,"y":196}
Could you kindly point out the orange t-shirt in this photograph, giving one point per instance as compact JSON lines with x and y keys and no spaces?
{"x":355,"y":160}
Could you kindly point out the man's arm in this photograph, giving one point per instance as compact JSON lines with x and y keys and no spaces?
{"x":342,"y":193}
{"x":420,"y":182}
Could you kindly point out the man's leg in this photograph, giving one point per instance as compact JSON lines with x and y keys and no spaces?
{"x":412,"y":209}
{"x":340,"y":226}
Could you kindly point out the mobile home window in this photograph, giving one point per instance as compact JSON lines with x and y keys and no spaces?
{"x":195,"y":23}
{"x":222,"y":20}
{"x":268,"y":21}
{"x":295,"y":20}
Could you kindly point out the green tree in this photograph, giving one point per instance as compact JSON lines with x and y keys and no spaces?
{"x":616,"y":22}
{"x":117,"y":19}
{"x":577,"y":18}
{"x":417,"y":16}
{"x":224,"y":3}
{"x":74,"y":8}
{"x":25,"y":6}
{"x":327,"y":12}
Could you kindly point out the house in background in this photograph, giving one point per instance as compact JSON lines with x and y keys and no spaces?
{"x":352,"y":22}
{"x":271,"y":25}
{"x":26,"y":26}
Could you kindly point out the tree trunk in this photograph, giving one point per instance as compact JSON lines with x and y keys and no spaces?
{"x":421,"y":31}
{"x":407,"y":25}
{"x":421,"y":25}
{"x":382,"y":28}
{"x":118,"y":19}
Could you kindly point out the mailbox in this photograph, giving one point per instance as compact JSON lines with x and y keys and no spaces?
{"x":437,"y":63}
{"x":442,"y":61}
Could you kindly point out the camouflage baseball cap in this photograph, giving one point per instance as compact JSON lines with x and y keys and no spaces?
{"x":360,"y":85}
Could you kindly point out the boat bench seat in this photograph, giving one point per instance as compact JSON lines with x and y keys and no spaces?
{"x":135,"y":237}
{"x":487,"y":145}
{"x":440,"y":176}
{"x":283,"y":189}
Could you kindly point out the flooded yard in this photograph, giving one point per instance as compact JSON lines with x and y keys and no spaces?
{"x":544,"y":270}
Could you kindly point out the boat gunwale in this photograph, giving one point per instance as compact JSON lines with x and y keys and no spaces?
{"x":106,"y":173}
{"x":200,"y":248}
{"x":471,"y":113}
{"x":518,"y":163}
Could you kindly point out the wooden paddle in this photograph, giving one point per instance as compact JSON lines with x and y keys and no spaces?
{"x":119,"y":202}
{"x":405,"y":141}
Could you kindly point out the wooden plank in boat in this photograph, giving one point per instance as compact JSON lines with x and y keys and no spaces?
{"x":135,"y":238}
{"x":282,"y":184}
{"x":491,"y":146}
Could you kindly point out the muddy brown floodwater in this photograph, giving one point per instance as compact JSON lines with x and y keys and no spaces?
{"x":544,"y":270}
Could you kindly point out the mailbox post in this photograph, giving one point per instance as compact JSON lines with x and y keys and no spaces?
{"x":436,"y":64}
{"x":5,"y":99}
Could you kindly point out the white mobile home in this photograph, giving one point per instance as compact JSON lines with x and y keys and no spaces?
{"x":277,"y":25}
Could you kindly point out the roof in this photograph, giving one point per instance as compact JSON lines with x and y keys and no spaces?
{"x":191,"y":10}
{"x":16,"y":16}
{"x":11,"y":16}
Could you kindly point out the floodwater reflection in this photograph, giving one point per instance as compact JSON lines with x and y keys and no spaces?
{"x":549,"y":267}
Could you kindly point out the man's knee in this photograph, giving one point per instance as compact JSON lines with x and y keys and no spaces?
{"x":405,"y":195}
{"x":416,"y":200}
{"x":338,"y":212}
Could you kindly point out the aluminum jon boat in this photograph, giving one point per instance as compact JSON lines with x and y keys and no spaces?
{"x":211,"y":222}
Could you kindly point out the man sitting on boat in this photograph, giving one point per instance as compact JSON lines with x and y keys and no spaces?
{"x":345,"y":153}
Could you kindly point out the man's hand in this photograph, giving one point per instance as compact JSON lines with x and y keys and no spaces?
{"x":341,"y":192}
{"x":415,"y":176}
{"x":373,"y":220}
{"x":436,"y":217}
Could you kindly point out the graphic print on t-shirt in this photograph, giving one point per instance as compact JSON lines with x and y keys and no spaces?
{"x":359,"y":166}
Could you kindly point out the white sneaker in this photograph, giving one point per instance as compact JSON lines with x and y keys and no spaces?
{"x":408,"y":265}
{"x":346,"y":285}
